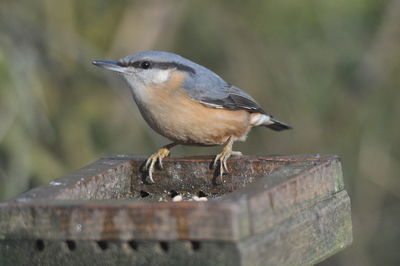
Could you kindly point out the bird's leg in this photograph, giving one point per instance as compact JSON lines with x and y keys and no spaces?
{"x":224,"y":156}
{"x":157,"y":157}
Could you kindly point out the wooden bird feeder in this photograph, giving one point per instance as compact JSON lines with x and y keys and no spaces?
{"x":272,"y":210}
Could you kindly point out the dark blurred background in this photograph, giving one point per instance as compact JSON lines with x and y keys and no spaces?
{"x":329,"y":68}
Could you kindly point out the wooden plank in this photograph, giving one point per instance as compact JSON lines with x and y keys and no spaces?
{"x":122,"y":220}
{"x":147,"y":253}
{"x":114,"y":176}
{"x":305,"y":239}
{"x":104,"y":179}
{"x":284,"y":198}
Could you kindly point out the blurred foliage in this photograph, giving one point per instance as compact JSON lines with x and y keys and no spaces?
{"x":329,"y":68}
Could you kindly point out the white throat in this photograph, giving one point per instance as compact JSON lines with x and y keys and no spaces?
{"x":140,"y":82}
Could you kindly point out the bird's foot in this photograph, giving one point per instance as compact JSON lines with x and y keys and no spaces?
{"x":156,"y":157}
{"x":223,"y":157}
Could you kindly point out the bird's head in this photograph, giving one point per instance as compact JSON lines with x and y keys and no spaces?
{"x":149,"y":68}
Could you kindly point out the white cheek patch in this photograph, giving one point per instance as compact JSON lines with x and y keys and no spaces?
{"x":161,"y":76}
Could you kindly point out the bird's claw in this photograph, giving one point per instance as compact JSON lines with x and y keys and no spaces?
{"x":222,"y":158}
{"x":156,"y":157}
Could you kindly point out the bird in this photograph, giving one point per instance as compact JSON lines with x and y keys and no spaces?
{"x":189,"y":104}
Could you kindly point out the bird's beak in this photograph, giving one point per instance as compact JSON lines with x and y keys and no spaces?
{"x":110,"y":65}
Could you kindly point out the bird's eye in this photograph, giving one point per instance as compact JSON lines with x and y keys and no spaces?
{"x":145,"y":65}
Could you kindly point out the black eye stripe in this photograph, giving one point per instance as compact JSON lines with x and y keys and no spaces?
{"x":157,"y":65}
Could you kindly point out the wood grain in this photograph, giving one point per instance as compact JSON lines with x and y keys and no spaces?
{"x":266,"y":208}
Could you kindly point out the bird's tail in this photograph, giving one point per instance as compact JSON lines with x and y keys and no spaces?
{"x":277,"y":125}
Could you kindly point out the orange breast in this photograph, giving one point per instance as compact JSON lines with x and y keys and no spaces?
{"x":170,"y":112}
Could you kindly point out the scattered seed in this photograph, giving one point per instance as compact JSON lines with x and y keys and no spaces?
{"x":177,"y":198}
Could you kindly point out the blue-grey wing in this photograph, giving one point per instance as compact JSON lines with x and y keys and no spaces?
{"x":209,"y":89}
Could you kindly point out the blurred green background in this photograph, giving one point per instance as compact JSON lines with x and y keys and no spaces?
{"x":329,"y":68}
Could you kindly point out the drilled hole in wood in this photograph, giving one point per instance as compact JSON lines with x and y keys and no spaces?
{"x":164,"y":246}
{"x":71,"y":245}
{"x":133,"y":245}
{"x":39,"y":245}
{"x":173,"y":193}
{"x":196,"y":245}
{"x":103,"y":245}
{"x":202,"y":194}
{"x":144,"y":194}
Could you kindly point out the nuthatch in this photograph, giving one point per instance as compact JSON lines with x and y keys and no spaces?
{"x":189,"y":104}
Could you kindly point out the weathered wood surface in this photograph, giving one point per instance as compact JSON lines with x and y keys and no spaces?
{"x":274,"y":210}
